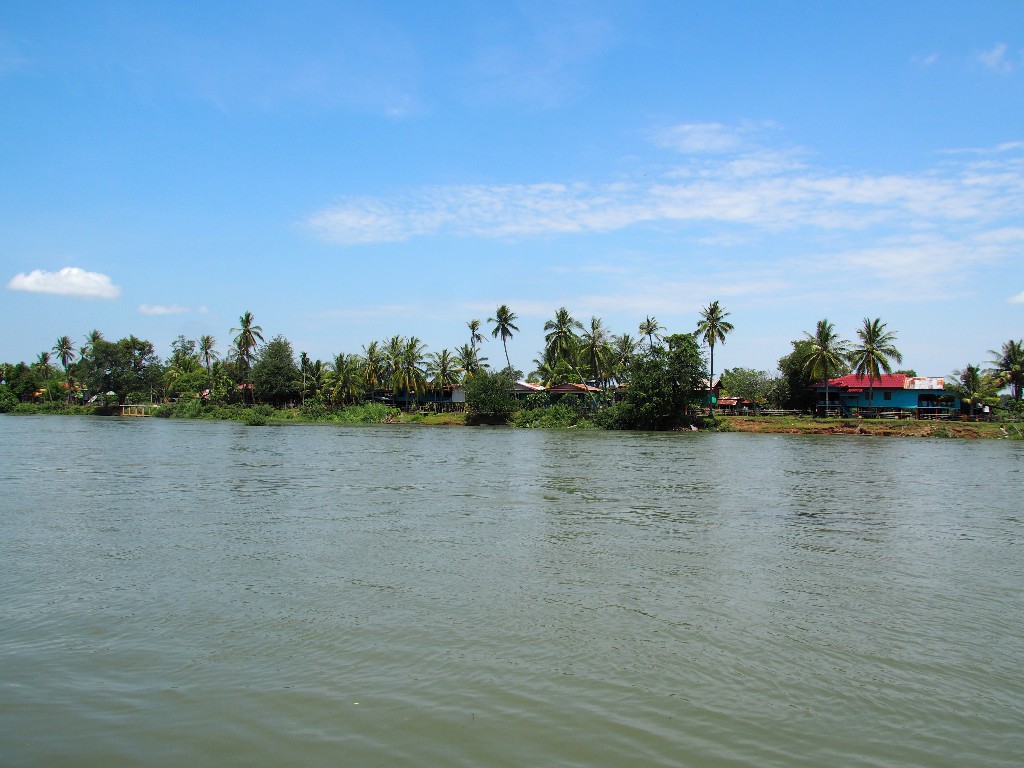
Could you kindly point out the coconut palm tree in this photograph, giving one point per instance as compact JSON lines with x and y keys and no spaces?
{"x":1008,"y":366}
{"x":64,"y":349}
{"x":972,"y":386}
{"x":468,"y":361}
{"x":596,"y":351}
{"x":475,"y":337}
{"x":711,"y":328}
{"x":248,"y":338}
{"x":443,"y":368}
{"x":504,"y":324}
{"x":624,"y":348}
{"x":408,"y":375}
{"x":345,"y":380}
{"x":560,"y":338}
{"x":650,"y":328}
{"x":373,"y":367}
{"x":872,"y":355}
{"x":828,"y":353}
{"x":207,"y":352}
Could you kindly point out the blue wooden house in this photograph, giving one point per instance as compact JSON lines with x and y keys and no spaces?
{"x":890,"y":395}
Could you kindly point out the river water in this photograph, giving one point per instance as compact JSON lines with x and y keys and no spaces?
{"x":193,"y":593}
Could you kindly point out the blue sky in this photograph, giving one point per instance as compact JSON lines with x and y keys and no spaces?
{"x":348,"y":171}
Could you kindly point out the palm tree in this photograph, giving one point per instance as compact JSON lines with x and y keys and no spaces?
{"x":468,"y":360}
{"x":970,"y":385}
{"x":373,"y":367}
{"x":1008,"y":366}
{"x":444,"y":371}
{"x":475,"y":337}
{"x":871,"y":356}
{"x":650,"y":328}
{"x":596,"y":350}
{"x":504,"y":324}
{"x":407,"y":375}
{"x":712,"y":327}
{"x":64,"y":349}
{"x":208,"y":352}
{"x":345,"y":381}
{"x":248,"y":338}
{"x":828,"y":352}
{"x":624,"y":349}
{"x":560,"y":338}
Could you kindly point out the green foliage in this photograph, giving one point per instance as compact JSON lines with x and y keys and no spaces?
{"x":275,"y":374}
{"x":367,"y":413}
{"x":489,"y":398}
{"x":129,"y":368}
{"x":664,"y":384}
{"x":756,"y":386}
{"x":7,"y":399}
{"x":558,"y":416}
{"x":251,"y":417}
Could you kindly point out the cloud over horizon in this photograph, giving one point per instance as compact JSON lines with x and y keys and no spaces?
{"x":69,"y":281}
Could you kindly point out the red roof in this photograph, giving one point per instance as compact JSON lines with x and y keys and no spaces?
{"x":854,"y":382}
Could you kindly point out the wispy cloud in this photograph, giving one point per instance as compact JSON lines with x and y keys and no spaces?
{"x":157,"y":309}
{"x":999,"y":59}
{"x":70,"y":281}
{"x":700,"y":138}
{"x":758,"y":190}
{"x":1018,"y":299}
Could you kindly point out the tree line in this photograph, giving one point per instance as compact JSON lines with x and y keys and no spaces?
{"x":666,"y":374}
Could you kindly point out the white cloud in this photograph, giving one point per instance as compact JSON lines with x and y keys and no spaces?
{"x":699,"y":138}
{"x":156,"y":309}
{"x":70,"y":281}
{"x":1018,"y":299}
{"x":997,"y":60}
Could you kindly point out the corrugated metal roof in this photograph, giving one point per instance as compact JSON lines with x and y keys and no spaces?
{"x":853,"y":381}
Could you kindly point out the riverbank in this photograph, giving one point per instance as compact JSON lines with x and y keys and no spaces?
{"x":793,"y":425}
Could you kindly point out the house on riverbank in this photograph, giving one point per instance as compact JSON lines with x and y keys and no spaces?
{"x":892,"y":395}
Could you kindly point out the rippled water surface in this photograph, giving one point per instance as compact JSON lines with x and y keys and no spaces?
{"x":189,"y":593}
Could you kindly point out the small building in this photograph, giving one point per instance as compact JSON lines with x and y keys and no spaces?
{"x":892,"y":395}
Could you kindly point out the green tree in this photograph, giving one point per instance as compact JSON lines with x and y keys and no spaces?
{"x":650,"y":328}
{"x":712,"y":328}
{"x":490,"y":398}
{"x":444,"y":371}
{"x":275,"y":375}
{"x":757,"y":386}
{"x":871,"y":356}
{"x":373,"y":367}
{"x":468,"y":360}
{"x":624,"y":349}
{"x":596,"y":351}
{"x":475,"y":337}
{"x":827,"y":355}
{"x":665,"y":383}
{"x":208,"y":353}
{"x":130,"y":368}
{"x":407,"y":376}
{"x":1008,"y":367}
{"x":347,"y":379}
{"x":560,"y":338}
{"x":504,"y":326}
{"x":64,"y":349}
{"x":246,"y":342}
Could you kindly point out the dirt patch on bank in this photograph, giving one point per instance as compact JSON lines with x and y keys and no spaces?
{"x":866,"y":427}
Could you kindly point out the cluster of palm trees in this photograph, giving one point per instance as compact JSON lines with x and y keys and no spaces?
{"x":870,"y":357}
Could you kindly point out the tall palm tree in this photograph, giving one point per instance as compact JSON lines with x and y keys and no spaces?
{"x":373,"y":367}
{"x":248,"y":338}
{"x":504,"y":324}
{"x":408,"y":375}
{"x":971,"y":385}
{"x":624,"y":348}
{"x":711,"y":328}
{"x":208,"y":353}
{"x":468,"y":361}
{"x":345,"y":381}
{"x":64,"y":349}
{"x":1008,"y":366}
{"x":475,"y":337}
{"x":560,"y":338}
{"x":871,"y":356}
{"x":650,"y":328}
{"x":828,"y":353}
{"x":596,"y":350}
{"x":444,"y":371}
